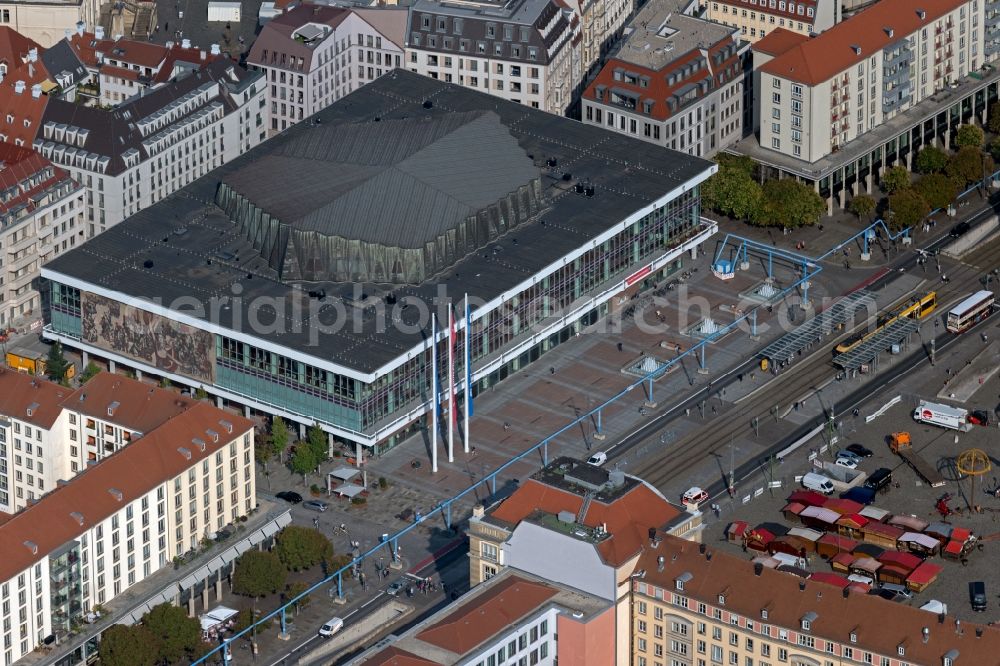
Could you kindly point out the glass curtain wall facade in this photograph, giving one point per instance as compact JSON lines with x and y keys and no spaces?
{"x":363,"y":407}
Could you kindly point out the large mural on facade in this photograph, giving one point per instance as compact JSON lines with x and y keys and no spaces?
{"x":149,"y":338}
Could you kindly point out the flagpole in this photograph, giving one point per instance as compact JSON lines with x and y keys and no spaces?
{"x":434,"y":396}
{"x":451,"y":385}
{"x":468,"y":371}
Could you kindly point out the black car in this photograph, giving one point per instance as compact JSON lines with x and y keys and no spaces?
{"x":960,"y":229}
{"x":289,"y":496}
{"x":860,"y":451}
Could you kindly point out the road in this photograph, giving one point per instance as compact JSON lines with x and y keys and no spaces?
{"x":797,"y":381}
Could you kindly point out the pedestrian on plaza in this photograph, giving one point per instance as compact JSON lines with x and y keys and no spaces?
{"x":316,"y":522}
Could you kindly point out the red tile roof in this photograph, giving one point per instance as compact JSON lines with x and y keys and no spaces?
{"x":627,"y":518}
{"x":22,"y":106}
{"x":141,"y":407}
{"x":393,"y":656}
{"x":828,"y":54}
{"x":134,"y":470}
{"x":879,"y":626}
{"x":19,"y":391}
{"x":778,"y":41}
{"x":14,"y":47}
{"x":18,"y":163}
{"x":475,"y":623}
{"x":119,"y":72}
{"x":144,"y":54}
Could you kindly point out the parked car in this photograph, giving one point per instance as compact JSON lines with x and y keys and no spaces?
{"x":849,"y":454}
{"x":888,"y":595}
{"x":315,"y":505}
{"x":900,"y":590}
{"x":977,"y":595}
{"x":860,"y":451}
{"x":817,"y":482}
{"x":694,"y":495}
{"x":598,"y":459}
{"x":879,"y":479}
{"x":849,"y":463}
{"x":396,"y":587}
{"x":289,"y":496}
{"x":330,"y":628}
{"x":960,"y":229}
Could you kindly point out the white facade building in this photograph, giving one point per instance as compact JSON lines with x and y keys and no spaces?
{"x":146,"y":149}
{"x":313,"y":55}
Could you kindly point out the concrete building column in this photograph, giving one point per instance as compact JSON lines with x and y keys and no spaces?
{"x":246,"y":411}
{"x":329,"y":445}
{"x":112,"y":367}
{"x":204,"y":594}
{"x":218,"y":586}
{"x":138,"y":374}
{"x":86,"y":358}
{"x":868,"y":181}
{"x":302,"y":431}
{"x":359,"y":452}
{"x":947,"y":136}
{"x":219,"y":402}
{"x":191,"y":604}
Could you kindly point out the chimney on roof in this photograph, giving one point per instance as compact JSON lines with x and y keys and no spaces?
{"x":847,"y":592}
{"x":117,"y":494}
{"x":802,"y":586}
{"x":701,"y":548}
{"x":18,"y":87}
{"x":856,"y":48}
{"x":33,"y":55}
{"x":708,"y":555}
{"x":941,"y":617}
{"x":36,"y":90}
{"x":99,"y":32}
{"x":32,"y":546}
{"x":67,"y":33}
{"x":889,"y":31}
{"x":204,"y":56}
{"x":926,"y":633}
{"x":80,"y":28}
{"x":185,"y":43}
{"x":77,"y":516}
{"x":660,"y":562}
{"x":922,"y":14}
{"x":216,"y":50}
{"x":758,"y":568}
{"x":979,"y":632}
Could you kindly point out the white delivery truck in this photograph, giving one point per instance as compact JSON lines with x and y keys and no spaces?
{"x":945,"y":416}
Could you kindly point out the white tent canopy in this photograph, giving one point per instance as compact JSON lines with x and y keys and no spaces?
{"x":216,"y":617}
{"x":345,"y":474}
{"x":348,"y":490}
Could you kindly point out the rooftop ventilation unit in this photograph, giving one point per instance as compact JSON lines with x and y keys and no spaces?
{"x":117,"y":494}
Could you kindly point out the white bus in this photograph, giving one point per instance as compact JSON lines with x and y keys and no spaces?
{"x":970,"y":311}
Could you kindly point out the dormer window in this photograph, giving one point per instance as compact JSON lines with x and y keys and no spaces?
{"x":854,"y":637}
{"x":808,"y":619}
{"x":680,"y":584}
{"x":763,"y":613}
{"x":806,"y":624}
{"x":722,"y":600}
{"x":901,"y":650}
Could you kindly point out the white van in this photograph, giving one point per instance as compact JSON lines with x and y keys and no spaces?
{"x":817,"y":482}
{"x":330,"y":628}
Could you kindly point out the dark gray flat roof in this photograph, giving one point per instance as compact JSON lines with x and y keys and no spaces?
{"x":210,"y":259}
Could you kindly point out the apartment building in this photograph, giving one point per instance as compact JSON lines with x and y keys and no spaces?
{"x":526,"y":51}
{"x":676,"y":81}
{"x":598,"y":520}
{"x":312,"y":55}
{"x":52,"y":433}
{"x":821,"y":93}
{"x":93,"y":537}
{"x":45,"y":21}
{"x":41,"y":216}
{"x":124,"y":68}
{"x":696,"y":606}
{"x":515,"y":618}
{"x":601,"y":24}
{"x":132,"y":156}
{"x":754,"y":19}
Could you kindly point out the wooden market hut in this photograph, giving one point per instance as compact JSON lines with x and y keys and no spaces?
{"x":881,"y":534}
{"x":909,"y":523}
{"x":923,"y":576}
{"x":841,"y":562}
{"x":830,"y":545}
{"x":792,"y":510}
{"x":851,"y":525}
{"x":831,"y":579}
{"x":920,"y":544}
{"x":736,"y":531}
{"x":808,"y":498}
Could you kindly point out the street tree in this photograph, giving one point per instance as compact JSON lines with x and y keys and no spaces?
{"x":263,"y":449}
{"x":937,"y":189}
{"x":862,"y":206}
{"x":294,"y":590}
{"x":995,"y":149}
{"x":179,"y":636}
{"x":122,"y":645}
{"x":258,"y":573}
{"x":908,"y":209}
{"x":317,"y":441}
{"x":732,"y":190}
{"x":303,"y":461}
{"x":895,"y":178}
{"x":931,"y":159}
{"x":56,"y":364}
{"x":994,"y":115}
{"x":302,"y":547}
{"x":89,"y":372}
{"x":969,"y":165}
{"x":789,"y":203}
{"x":969,"y":135}
{"x":279,"y":436}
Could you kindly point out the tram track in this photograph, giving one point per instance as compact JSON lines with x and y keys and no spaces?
{"x":677,"y":459}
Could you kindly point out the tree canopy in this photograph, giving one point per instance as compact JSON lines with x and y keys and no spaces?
{"x":302,"y":547}
{"x":56,"y":364}
{"x":178,"y":636}
{"x":789,"y":203}
{"x":969,"y":135}
{"x":258,"y":573}
{"x":862,"y":206}
{"x":937,"y":189}
{"x":279,"y":435}
{"x":931,"y":159}
{"x":895,"y":178}
{"x":969,"y":165}
{"x":122,"y":645}
{"x":994,"y":115}
{"x":908,"y":208}
{"x":317,"y":441}
{"x":732,"y":190}
{"x":303,"y":460}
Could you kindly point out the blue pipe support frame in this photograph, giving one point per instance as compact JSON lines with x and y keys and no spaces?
{"x":284,"y":626}
{"x":753,"y":323}
{"x":447,"y":514}
{"x":649,"y":393}
{"x":865,"y":235}
{"x":225,"y":653}
{"x":340,"y":585}
{"x":542,"y":445}
{"x":701,"y":358}
{"x":545,"y":460}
